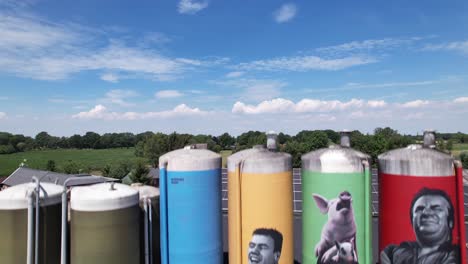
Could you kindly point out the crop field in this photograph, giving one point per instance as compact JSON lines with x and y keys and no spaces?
{"x":224,"y":155}
{"x":87,"y":159}
{"x":459,"y":148}
{"x":95,"y":159}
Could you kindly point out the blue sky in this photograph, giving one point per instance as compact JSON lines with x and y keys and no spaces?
{"x":211,"y":66}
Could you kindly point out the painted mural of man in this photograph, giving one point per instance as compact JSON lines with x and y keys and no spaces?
{"x":432,"y":218}
{"x":265,"y":246}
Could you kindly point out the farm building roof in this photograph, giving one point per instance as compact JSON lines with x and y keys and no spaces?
{"x":25,"y":174}
{"x":153,"y":174}
{"x":2,"y":179}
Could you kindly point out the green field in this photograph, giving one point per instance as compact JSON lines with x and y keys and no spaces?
{"x":459,"y":148}
{"x":87,"y":159}
{"x":224,"y":155}
{"x":96,"y":159}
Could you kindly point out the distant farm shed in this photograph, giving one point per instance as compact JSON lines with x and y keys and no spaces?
{"x":25,"y":175}
{"x":153,"y":174}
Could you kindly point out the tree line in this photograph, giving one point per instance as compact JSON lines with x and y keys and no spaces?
{"x":151,"y":145}
{"x":382,"y":140}
{"x":136,"y":171}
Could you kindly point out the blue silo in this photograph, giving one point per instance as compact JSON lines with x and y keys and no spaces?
{"x":190,"y":203}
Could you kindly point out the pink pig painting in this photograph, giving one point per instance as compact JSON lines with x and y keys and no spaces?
{"x":340,"y":226}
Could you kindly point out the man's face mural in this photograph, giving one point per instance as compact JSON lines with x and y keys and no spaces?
{"x":261,"y":250}
{"x":430,"y":220}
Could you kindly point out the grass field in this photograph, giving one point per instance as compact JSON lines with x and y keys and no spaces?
{"x":87,"y":159}
{"x":459,"y":148}
{"x":96,"y":159}
{"x":225,"y":154}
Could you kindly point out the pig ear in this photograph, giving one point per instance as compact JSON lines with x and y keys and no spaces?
{"x":321,"y":202}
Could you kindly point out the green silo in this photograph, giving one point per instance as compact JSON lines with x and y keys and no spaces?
{"x":336,"y":205}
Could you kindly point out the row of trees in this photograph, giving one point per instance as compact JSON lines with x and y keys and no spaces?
{"x":454,"y":137}
{"x":152,"y":145}
{"x":15,"y":143}
{"x":10,"y":143}
{"x":137,"y":171}
{"x":464,"y":159}
{"x":382,"y":140}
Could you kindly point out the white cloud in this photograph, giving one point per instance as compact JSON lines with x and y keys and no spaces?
{"x":390,"y":84}
{"x":280,"y":105}
{"x":118,"y":97}
{"x":369,"y":45}
{"x":3,"y":115}
{"x":255,"y":89}
{"x":461,"y":100}
{"x":234,"y":74}
{"x":156,"y":38}
{"x":79,"y":107}
{"x":14,"y":4}
{"x":102,"y":113}
{"x":411,"y":116}
{"x":263,"y":90}
{"x":191,"y":7}
{"x":109,"y":77}
{"x":360,"y":86}
{"x":415,"y":104}
{"x":34,"y":48}
{"x":285,"y":13}
{"x":119,"y":57}
{"x":376,"y":103}
{"x":357,"y":115}
{"x":459,"y":46}
{"x":98,"y":112}
{"x":311,"y":105}
{"x":414,"y":116}
{"x":305,"y":63}
{"x":31,"y":33}
{"x":168,"y":94}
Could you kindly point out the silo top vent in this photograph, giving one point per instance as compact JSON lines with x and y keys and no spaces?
{"x":345,"y":140}
{"x":429,"y":140}
{"x":271,"y":140}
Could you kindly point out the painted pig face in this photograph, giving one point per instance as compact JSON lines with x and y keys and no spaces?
{"x":336,"y":207}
